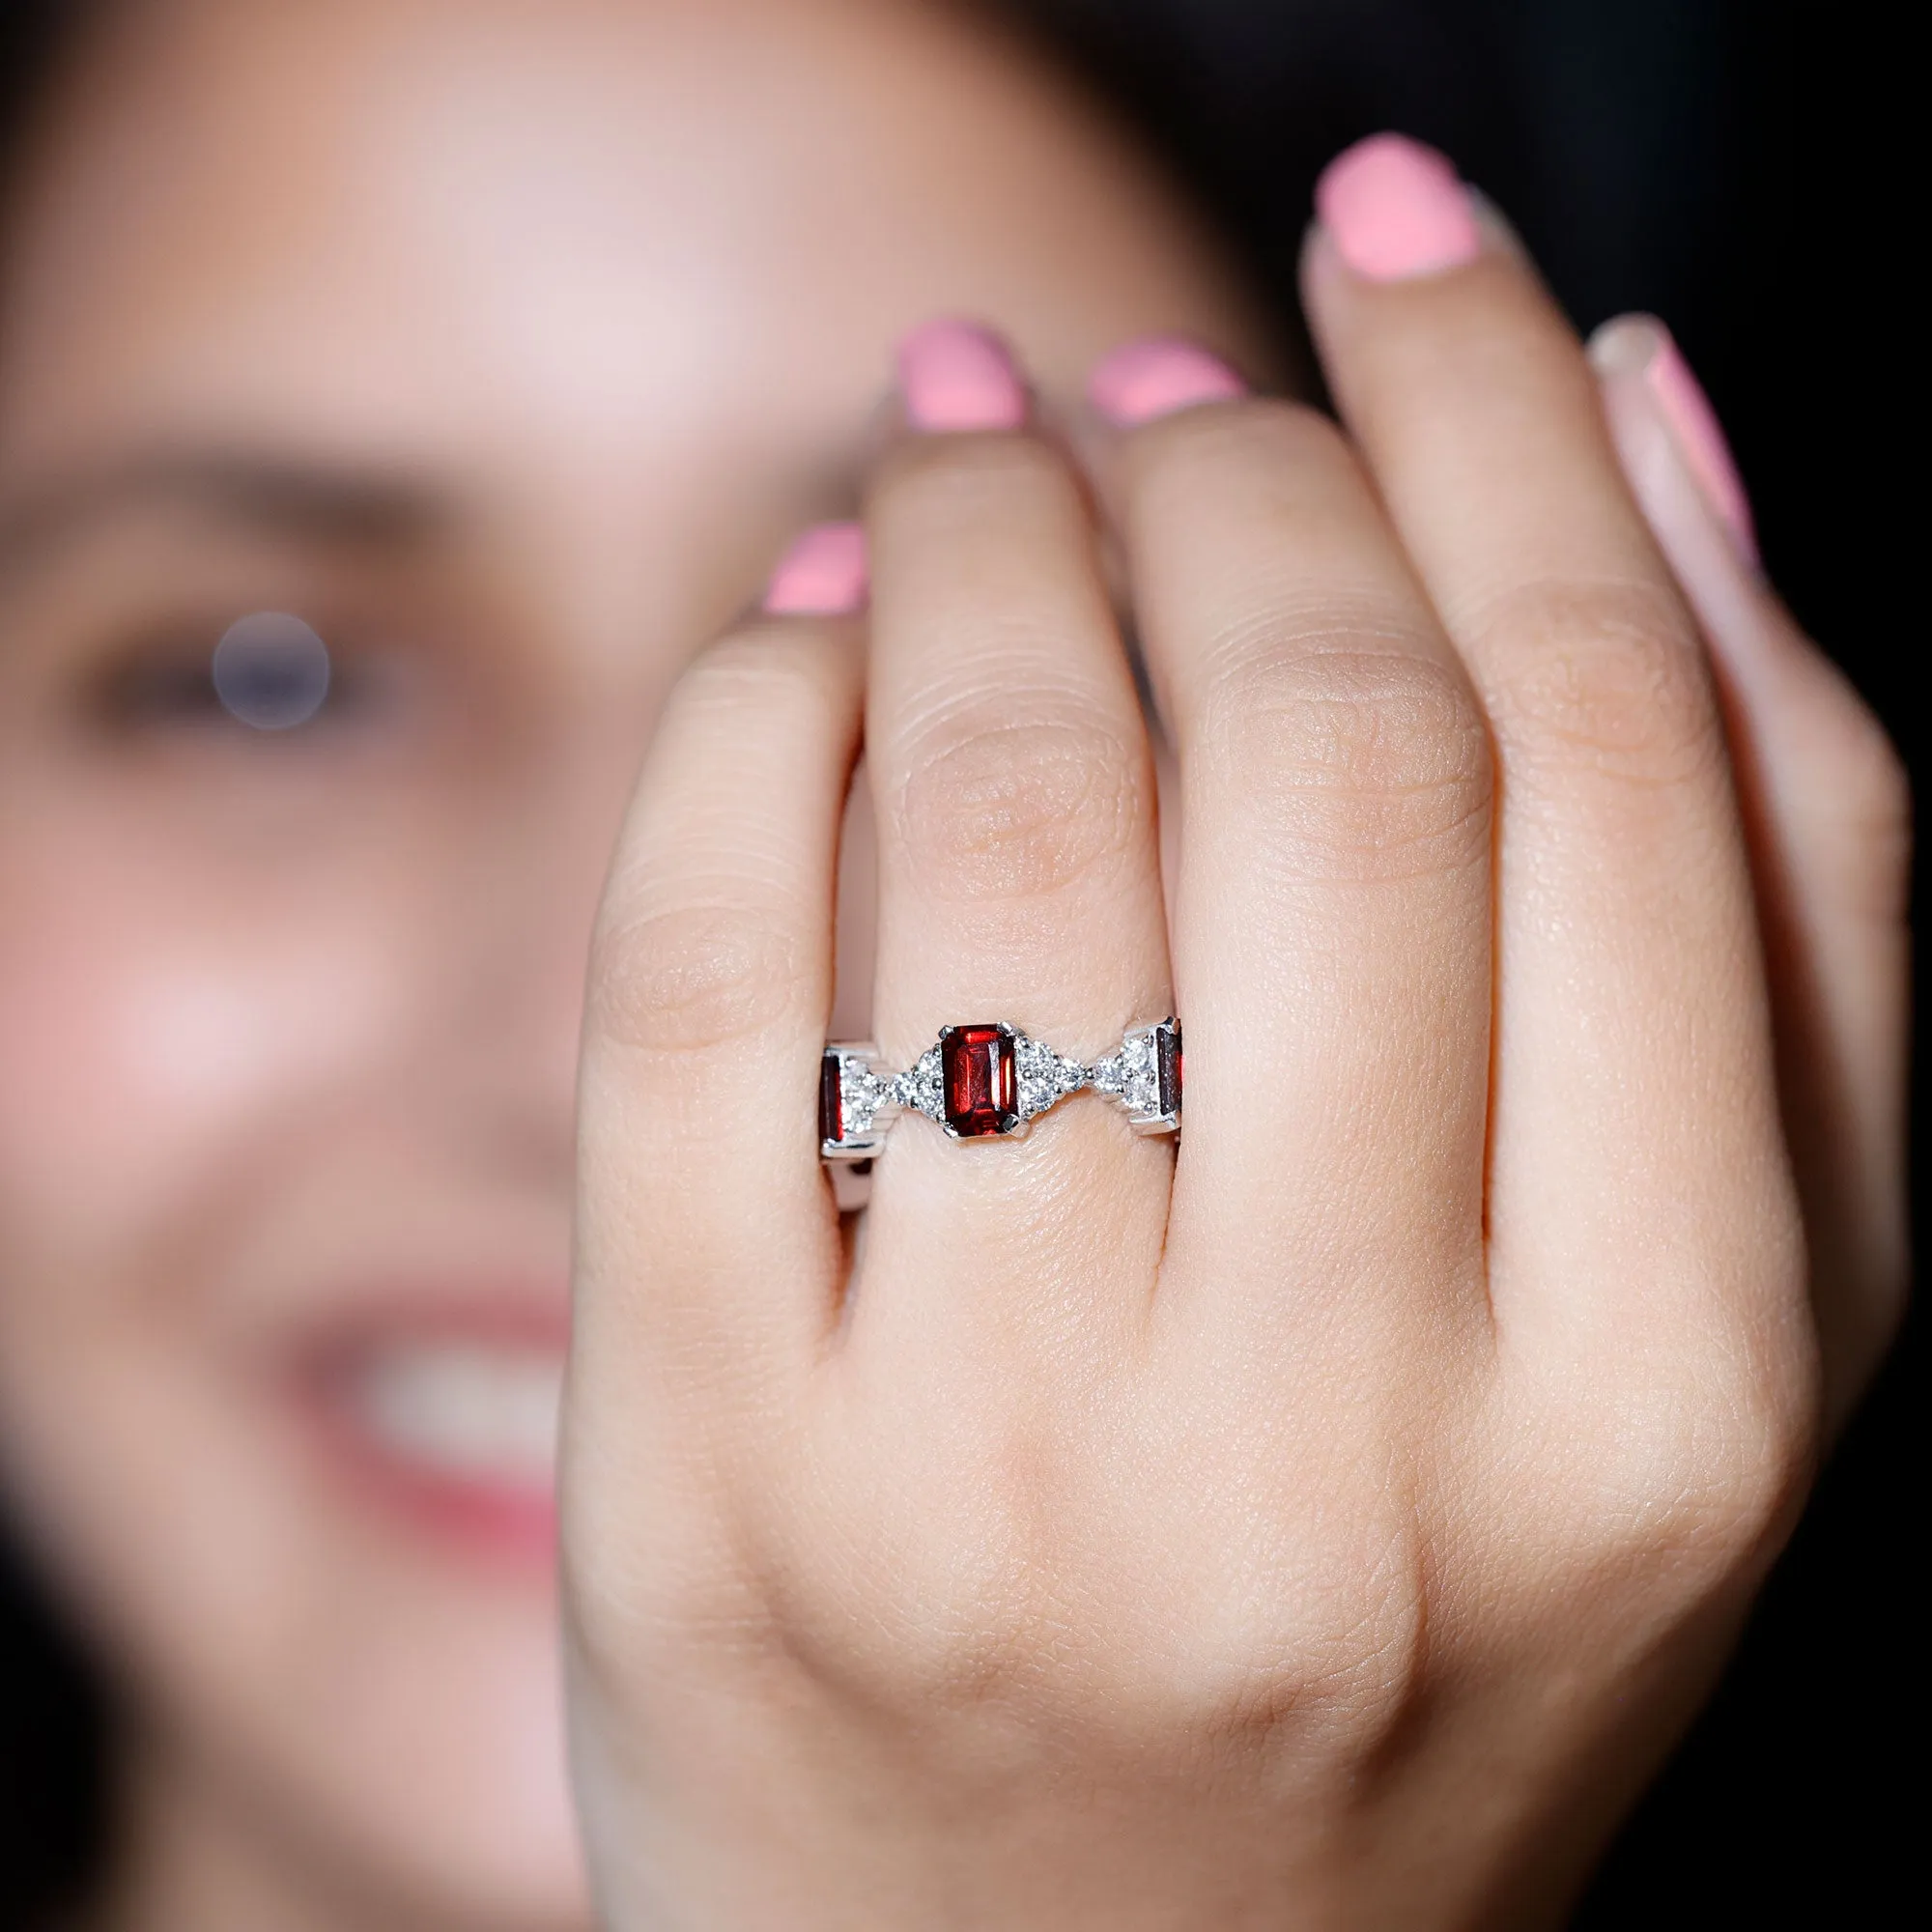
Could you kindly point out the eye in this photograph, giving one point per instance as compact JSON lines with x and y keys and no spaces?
{"x":271,"y":671}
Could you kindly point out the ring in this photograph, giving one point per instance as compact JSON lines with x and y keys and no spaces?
{"x":989,"y":1081}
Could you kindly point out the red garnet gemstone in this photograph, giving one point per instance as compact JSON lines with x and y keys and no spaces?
{"x":831,"y":1099}
{"x":1168,"y":1067}
{"x":979,"y":1080}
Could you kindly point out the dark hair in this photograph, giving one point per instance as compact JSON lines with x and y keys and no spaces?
{"x":52,"y":1756}
{"x":53,"y":1723}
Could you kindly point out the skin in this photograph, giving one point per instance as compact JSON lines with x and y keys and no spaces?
{"x":1331,"y":1528}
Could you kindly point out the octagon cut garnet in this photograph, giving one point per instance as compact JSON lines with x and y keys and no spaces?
{"x":1168,"y":1066}
{"x":979,"y":1080}
{"x":831,"y":1099}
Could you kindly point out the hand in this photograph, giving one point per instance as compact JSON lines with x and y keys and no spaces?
{"x":1330,"y":1524}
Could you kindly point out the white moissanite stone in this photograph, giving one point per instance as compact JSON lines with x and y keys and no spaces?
{"x":921,"y":1086}
{"x":1045,"y":1076}
{"x":862,"y":1094}
{"x":1140,"y":1073}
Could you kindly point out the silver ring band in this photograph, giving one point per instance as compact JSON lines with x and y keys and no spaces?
{"x":990,"y":1081}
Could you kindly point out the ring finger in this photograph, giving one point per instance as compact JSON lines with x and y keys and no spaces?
{"x":1018,"y":877}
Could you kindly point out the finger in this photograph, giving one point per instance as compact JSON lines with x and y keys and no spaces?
{"x":1634,"y":1087}
{"x":1827,"y":816}
{"x":1013,"y":796}
{"x":1332,"y":923}
{"x":707,"y":1243}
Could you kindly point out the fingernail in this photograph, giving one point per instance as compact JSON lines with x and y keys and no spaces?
{"x":1158,"y":376}
{"x":1640,"y":345}
{"x":956,"y":376}
{"x":1496,"y":227}
{"x":822,"y":575}
{"x":1396,"y":209}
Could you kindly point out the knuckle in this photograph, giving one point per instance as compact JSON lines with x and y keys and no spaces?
{"x":1259,"y":436}
{"x":1773,"y":1439}
{"x":1700,"y":1467}
{"x":1020,"y":810}
{"x":1880,"y":788}
{"x":1726,"y":1471}
{"x":691,"y":979}
{"x":1870,"y":797}
{"x":1608,"y":676}
{"x":1715,"y":1530}
{"x":766,"y":669}
{"x":1361,"y":762}
{"x":1762,"y":1442}
{"x":934,"y":483}
{"x":1349,"y":1667}
{"x":1335,"y":1644}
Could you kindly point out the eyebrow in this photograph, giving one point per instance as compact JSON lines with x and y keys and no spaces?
{"x":278,"y":496}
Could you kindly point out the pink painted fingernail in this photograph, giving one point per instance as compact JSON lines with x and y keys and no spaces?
{"x":1641,"y":346}
{"x":958,"y":376}
{"x":1707,"y":450}
{"x":822,"y":575}
{"x":1396,"y":209}
{"x":1158,"y":376}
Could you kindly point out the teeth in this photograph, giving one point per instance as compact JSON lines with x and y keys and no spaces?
{"x":465,"y":1409}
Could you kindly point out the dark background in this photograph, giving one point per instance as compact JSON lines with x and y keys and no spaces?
{"x":1717,"y":164}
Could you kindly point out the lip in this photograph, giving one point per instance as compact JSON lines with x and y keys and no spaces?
{"x":496,"y":1518}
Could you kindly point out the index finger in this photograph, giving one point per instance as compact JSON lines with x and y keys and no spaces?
{"x":706,"y":1235}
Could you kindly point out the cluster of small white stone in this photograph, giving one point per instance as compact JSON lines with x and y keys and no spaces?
{"x":921,"y":1088}
{"x":1140,"y":1073}
{"x":862,"y":1092}
{"x":1045,"y":1075}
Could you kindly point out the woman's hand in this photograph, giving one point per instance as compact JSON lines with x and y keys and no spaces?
{"x":1333,"y":1522}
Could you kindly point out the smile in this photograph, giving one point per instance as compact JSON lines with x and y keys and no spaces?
{"x":449,"y":1431}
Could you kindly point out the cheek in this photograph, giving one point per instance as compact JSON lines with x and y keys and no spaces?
{"x":182,"y":1045}
{"x":155,"y":1025}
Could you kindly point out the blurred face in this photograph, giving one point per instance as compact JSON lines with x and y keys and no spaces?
{"x":503,"y":343}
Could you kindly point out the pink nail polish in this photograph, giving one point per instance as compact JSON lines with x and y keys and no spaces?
{"x":822,"y":575}
{"x":1701,"y":439}
{"x":1158,"y":376}
{"x":956,"y":376}
{"x":1396,"y":209}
